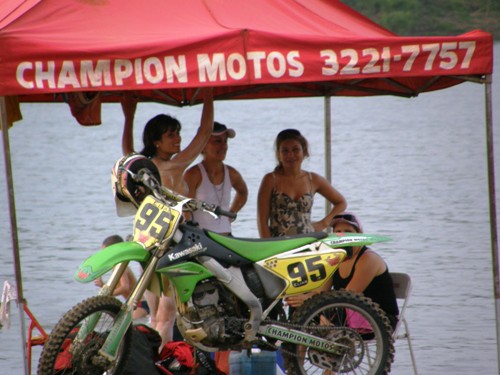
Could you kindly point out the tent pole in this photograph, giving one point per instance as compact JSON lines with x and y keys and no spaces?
{"x":493,"y":213}
{"x":328,"y":149}
{"x":13,"y":225}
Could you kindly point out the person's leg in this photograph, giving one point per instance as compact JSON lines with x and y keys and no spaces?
{"x":153,"y":307}
{"x":165,"y":319}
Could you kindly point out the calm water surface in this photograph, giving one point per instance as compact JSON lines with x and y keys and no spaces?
{"x":413,"y":169}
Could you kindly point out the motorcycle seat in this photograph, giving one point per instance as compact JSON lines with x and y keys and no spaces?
{"x":256,"y":249}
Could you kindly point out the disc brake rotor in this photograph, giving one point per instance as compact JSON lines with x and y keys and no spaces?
{"x":351,"y":351}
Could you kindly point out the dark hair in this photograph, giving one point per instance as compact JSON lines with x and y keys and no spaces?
{"x":285,"y":135}
{"x":111,"y":240}
{"x":154,"y":129}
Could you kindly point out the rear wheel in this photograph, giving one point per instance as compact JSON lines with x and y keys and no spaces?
{"x":351,"y":320}
{"x":62,"y":355}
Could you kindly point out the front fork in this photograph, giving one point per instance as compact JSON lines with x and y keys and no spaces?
{"x":107,"y":290}
{"x":118,"y":271}
{"x":124,"y":317}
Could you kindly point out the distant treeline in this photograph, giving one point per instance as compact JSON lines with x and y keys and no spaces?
{"x":432,"y":17}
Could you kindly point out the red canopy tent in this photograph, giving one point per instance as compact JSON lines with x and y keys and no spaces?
{"x":166,"y":50}
{"x":246,"y":49}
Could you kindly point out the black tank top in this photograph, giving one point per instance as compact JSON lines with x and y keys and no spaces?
{"x":380,"y":290}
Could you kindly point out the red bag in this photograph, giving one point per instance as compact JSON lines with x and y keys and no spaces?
{"x":180,"y":358}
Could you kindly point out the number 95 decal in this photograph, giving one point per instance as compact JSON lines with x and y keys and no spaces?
{"x":300,"y":272}
{"x":305,"y":272}
{"x":153,"y":221}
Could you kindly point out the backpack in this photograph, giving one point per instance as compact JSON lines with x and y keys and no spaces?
{"x":143,"y":353}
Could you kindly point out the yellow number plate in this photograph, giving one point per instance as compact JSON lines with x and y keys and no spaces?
{"x":154,"y":221}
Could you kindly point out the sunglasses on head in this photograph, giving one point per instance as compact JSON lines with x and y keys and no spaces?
{"x":347,"y":217}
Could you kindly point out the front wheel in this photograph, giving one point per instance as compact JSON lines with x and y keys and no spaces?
{"x":359,"y":327}
{"x":63,"y":355}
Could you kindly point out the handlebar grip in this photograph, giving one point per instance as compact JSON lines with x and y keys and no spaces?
{"x":219,"y":211}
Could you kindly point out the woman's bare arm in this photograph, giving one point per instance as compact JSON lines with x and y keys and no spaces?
{"x":129,"y":106}
{"x":240,"y":187}
{"x":338,"y":201}
{"x":192,"y":177}
{"x":191,"y":152}
{"x":264,"y":206}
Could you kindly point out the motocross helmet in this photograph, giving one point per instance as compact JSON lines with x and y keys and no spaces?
{"x":129,"y":193}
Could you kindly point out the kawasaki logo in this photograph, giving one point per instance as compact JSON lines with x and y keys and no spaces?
{"x":198,"y":248}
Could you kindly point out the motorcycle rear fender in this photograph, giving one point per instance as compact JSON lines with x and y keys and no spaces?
{"x":184,"y":277}
{"x":340,"y":240}
{"x":309,"y":267}
{"x":104,"y":260}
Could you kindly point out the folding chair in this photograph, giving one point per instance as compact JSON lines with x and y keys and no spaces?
{"x":402,"y":288}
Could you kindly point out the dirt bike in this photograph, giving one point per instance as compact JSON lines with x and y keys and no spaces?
{"x":228,"y":292}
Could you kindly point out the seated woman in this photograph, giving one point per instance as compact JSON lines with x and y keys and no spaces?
{"x":363,"y":271}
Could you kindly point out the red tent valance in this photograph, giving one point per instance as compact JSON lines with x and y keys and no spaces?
{"x":245,"y":49}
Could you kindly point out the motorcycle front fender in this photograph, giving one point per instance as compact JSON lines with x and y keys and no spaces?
{"x":104,"y":260}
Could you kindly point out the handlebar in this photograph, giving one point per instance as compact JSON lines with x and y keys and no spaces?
{"x":229,"y":214}
{"x":145,"y":177}
{"x":218,"y":210}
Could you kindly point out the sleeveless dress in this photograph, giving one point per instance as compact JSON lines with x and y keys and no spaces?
{"x":290,"y":216}
{"x":380,"y":290}
{"x":215,"y":194}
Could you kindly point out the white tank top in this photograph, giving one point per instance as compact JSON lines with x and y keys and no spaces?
{"x":215,"y":194}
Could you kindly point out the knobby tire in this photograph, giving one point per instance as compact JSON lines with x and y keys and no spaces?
{"x":83,"y":362}
{"x":367,"y":350}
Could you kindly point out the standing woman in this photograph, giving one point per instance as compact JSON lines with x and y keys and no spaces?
{"x":286,"y":195}
{"x":212,"y":181}
{"x":162,"y":144}
{"x":162,"y":141}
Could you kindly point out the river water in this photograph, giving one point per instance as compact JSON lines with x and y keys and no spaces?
{"x":413,"y":169}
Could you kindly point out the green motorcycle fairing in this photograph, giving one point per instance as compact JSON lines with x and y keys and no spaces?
{"x":104,"y":260}
{"x":184,"y":277}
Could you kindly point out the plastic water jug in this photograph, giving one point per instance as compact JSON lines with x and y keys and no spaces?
{"x":259,"y":362}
